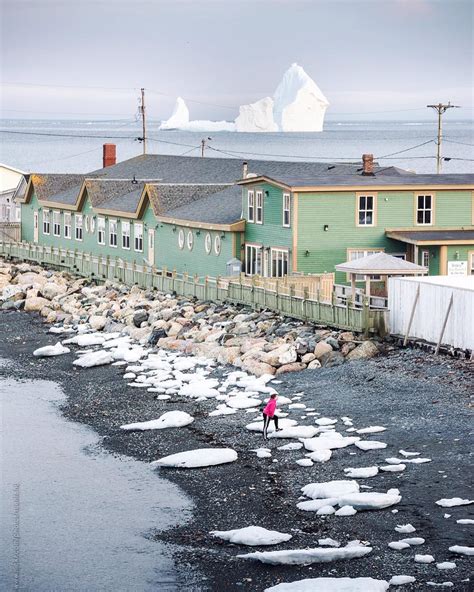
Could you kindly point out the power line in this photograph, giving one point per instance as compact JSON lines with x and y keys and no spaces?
{"x":406,"y":149}
{"x":440,"y":109}
{"x":456,"y":142}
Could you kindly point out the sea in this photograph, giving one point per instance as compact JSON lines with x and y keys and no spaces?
{"x":62,"y":146}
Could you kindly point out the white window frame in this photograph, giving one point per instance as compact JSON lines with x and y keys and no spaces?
{"x":181,"y":239}
{"x":46,"y":222}
{"x":138,"y":237}
{"x":252,"y":263}
{"x":365,"y":253}
{"x":217,"y":245}
{"x":286,"y":210}
{"x":56,"y":223}
{"x":208,"y":243}
{"x":278,"y":256}
{"x":67,"y":225}
{"x":113,"y":233}
{"x":251,"y":206}
{"x":78,"y":229}
{"x":366,"y":211}
{"x":470,"y":262}
{"x":86,"y":223}
{"x":425,"y":258}
{"x":100,"y":231}
{"x":190,"y":240}
{"x":259,"y":207}
{"x":424,"y":210}
{"x":125,"y":226}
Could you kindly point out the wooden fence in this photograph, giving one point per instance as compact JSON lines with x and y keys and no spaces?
{"x":351,"y":316}
{"x":10,"y":231}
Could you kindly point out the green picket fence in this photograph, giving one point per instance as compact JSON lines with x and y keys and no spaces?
{"x":360,"y":318}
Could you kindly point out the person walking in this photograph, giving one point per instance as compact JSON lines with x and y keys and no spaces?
{"x":268,"y":414}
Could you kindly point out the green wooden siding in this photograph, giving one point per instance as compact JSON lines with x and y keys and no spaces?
{"x":433,"y":267}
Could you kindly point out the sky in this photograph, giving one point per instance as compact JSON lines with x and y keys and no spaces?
{"x":371,"y":58}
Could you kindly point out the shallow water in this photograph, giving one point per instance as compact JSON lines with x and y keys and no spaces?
{"x":73,"y":517}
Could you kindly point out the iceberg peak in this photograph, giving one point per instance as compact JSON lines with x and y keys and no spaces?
{"x":179,"y":118}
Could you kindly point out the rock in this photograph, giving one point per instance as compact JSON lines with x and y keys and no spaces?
{"x":256,"y":367}
{"x":367,"y":349}
{"x":228,"y":355}
{"x":289,"y":356}
{"x":308,"y":358}
{"x":8,"y":305}
{"x":331,"y":359}
{"x":167,"y":313}
{"x":293,"y":367}
{"x":283,"y":354}
{"x":97,"y":322}
{"x":30,"y":279}
{"x":141,"y":316}
{"x":321,"y":348}
{"x":50,"y":290}
{"x":156,"y":335}
{"x":4,"y":280}
{"x":174,"y":329}
{"x":35,"y":303}
{"x":347,"y":347}
{"x":332,"y":342}
{"x":314,"y":365}
{"x":346,"y":336}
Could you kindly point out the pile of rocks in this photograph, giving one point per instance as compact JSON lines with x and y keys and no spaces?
{"x":262,"y":342}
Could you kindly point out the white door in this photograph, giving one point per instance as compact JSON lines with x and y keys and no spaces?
{"x":35,"y":226}
{"x":151,"y":246}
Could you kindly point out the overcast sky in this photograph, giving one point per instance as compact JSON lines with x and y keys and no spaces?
{"x":366,"y":55}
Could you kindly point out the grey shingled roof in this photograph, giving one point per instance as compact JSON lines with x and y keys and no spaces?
{"x":432,"y":235}
{"x":165,"y":197}
{"x":61,"y":188}
{"x":380,"y":263}
{"x":222,"y":207}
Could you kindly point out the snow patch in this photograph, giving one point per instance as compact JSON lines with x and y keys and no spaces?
{"x":252,"y":536}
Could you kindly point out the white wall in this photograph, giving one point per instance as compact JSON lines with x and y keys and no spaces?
{"x":431,"y":308}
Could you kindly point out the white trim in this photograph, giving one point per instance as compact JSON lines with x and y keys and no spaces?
{"x":181,"y":239}
{"x":366,"y":210}
{"x":57,"y":213}
{"x":252,"y":263}
{"x":100,"y":230}
{"x":78,"y":227}
{"x":190,"y":240}
{"x":424,"y":209}
{"x":208,"y":243}
{"x":67,"y":224}
{"x":259,"y":208}
{"x":285,"y":196}
{"x":46,"y":221}
{"x":217,"y":245}
{"x":279,"y":251}
{"x":113,"y":223}
{"x":125,"y":227}
{"x":138,"y":237}
{"x":251,"y":198}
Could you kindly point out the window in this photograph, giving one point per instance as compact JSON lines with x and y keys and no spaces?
{"x":470,"y":270}
{"x":92,"y":224}
{"x":56,"y":223}
{"x":424,"y":209}
{"x":181,"y":239}
{"x":113,"y":233}
{"x":251,"y":206}
{"x":356,"y":254}
{"x":78,"y":224}
{"x":366,"y":210}
{"x":190,"y":240}
{"x":253,"y":260}
{"x":279,"y":262}
{"x":67,"y":225}
{"x":217,"y":245}
{"x":46,"y":221}
{"x":86,"y":223}
{"x":208,"y":243}
{"x":259,"y":208}
{"x":286,"y":209}
{"x":125,"y":235}
{"x":138,"y":234}
{"x":101,"y":231}
{"x":425,"y":258}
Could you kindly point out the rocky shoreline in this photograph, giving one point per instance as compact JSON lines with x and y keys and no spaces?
{"x":261,"y":343}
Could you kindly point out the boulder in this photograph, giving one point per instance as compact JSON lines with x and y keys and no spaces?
{"x":156,"y":335}
{"x":167,"y":313}
{"x":331,"y":359}
{"x":141,"y":316}
{"x":347,"y":347}
{"x":308,"y":358}
{"x":314,"y":365}
{"x":293,"y":367}
{"x":321,"y":348}
{"x":50,"y":290}
{"x":97,"y":322}
{"x":367,"y":349}
{"x":346,"y":336}
{"x":283,"y":354}
{"x":228,"y":355}
{"x":4,"y":280}
{"x":174,"y":329}
{"x":35,"y":303}
{"x":256,"y":367}
{"x":30,"y":279}
{"x":332,"y":342}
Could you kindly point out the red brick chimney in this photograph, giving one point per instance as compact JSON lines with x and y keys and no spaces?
{"x":109,"y":156}
{"x":367,"y":164}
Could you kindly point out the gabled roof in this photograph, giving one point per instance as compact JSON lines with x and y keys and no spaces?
{"x":54,"y":188}
{"x":435,"y":236}
{"x":381,"y":264}
{"x":10,"y":168}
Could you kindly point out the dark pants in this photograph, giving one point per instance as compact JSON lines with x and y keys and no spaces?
{"x":266,"y":423}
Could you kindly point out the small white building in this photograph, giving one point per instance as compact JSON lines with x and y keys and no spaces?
{"x":10,"y":179}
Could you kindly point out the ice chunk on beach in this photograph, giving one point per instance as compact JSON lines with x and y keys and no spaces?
{"x":252,"y":536}
{"x":424,"y":558}
{"x":329,"y":441}
{"x":97,"y":358}
{"x":330,"y":489}
{"x":417,"y":461}
{"x":413,"y":541}
{"x":398,"y":545}
{"x":454,"y":501}
{"x":328,"y":542}
{"x":294,"y":432}
{"x":465,"y":521}
{"x":405,"y":528}
{"x":371,"y":430}
{"x":325,"y":421}
{"x":370,"y":445}
{"x":242,"y":402}
{"x":263,"y":452}
{"x":393,"y":468}
{"x":51,"y":350}
{"x":304,"y":462}
{"x":320,"y":456}
{"x":346,"y":511}
{"x":407,"y":454}
{"x":308,"y":556}
{"x":222,"y":410}
{"x":400,"y":580}
{"x":202,"y":457}
{"x":326,"y":511}
{"x":291,"y":446}
{"x":332,"y":585}
{"x":462,"y":550}
{"x":170,"y":419}
{"x":361,"y":473}
{"x":369,"y":501}
{"x":443,"y":565}
{"x":198,"y":389}
{"x":316,"y":504}
{"x":257,"y":426}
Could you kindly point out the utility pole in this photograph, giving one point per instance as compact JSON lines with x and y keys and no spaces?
{"x":142,"y":111}
{"x":203,"y":146}
{"x":441,"y":108}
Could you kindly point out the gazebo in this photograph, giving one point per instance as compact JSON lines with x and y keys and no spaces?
{"x":379,"y":264}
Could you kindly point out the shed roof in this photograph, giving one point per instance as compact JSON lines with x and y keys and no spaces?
{"x":381,"y":264}
{"x":438,"y":236}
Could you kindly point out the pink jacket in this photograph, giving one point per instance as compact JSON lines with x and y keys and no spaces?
{"x":270,"y":408}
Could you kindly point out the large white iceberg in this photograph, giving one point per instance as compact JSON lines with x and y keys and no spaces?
{"x":256,"y":117}
{"x":179,"y":118}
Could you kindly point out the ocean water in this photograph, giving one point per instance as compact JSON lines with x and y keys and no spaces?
{"x":340,"y":140}
{"x":72,"y":516}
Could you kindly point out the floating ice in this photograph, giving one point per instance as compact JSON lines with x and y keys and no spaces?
{"x":332,"y":585}
{"x":170,"y":419}
{"x":460,"y":550}
{"x":446,"y":565}
{"x":371,"y":430}
{"x":369,"y":501}
{"x":361,"y":473}
{"x":308,"y":556}
{"x":454,"y":501}
{"x":405,"y":528}
{"x":424,"y":558}
{"x":291,"y":446}
{"x":370,"y":445}
{"x":51,"y":350}
{"x":256,"y":117}
{"x":346,"y":511}
{"x":400,"y":580}
{"x":202,"y":457}
{"x":252,"y":536}
{"x":98,"y":358}
{"x":393,"y":468}
{"x":330,"y":489}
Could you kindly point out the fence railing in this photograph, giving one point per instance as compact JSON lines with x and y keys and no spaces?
{"x":10,"y":231}
{"x":351,"y":316}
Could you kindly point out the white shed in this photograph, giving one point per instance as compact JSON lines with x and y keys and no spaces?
{"x":438,"y":309}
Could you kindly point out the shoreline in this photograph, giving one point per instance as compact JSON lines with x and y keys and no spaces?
{"x":258,"y":491}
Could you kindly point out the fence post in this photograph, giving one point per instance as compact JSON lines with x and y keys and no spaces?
{"x":366,"y":315}
{"x":305,"y":302}
{"x":292,"y":297}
